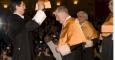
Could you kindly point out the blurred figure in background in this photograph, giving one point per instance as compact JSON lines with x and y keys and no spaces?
{"x":90,"y":33}
{"x":107,"y":35}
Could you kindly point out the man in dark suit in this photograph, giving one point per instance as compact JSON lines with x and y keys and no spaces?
{"x":18,"y":31}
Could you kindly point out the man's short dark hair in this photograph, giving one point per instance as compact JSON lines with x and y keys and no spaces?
{"x":14,"y":3}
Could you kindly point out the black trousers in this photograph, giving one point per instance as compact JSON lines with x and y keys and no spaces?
{"x":22,"y":55}
{"x":76,"y":53}
{"x":88,"y":53}
{"x":107,"y":48}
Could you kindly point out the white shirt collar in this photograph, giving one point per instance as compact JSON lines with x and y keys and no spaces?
{"x":19,"y":15}
{"x":66,"y":19}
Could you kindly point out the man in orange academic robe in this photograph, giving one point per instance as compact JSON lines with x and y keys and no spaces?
{"x":71,"y":34}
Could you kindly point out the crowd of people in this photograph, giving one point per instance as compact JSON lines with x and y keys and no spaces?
{"x":61,"y":38}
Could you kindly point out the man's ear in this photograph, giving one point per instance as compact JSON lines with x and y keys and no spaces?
{"x":17,"y":6}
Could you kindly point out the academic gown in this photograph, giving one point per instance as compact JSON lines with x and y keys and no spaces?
{"x":19,"y":32}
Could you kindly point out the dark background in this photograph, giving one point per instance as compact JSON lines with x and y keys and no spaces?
{"x":97,"y":9}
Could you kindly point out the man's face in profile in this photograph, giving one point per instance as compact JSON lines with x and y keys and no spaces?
{"x":21,"y":8}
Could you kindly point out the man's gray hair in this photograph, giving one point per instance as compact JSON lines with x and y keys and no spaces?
{"x":61,"y":9}
{"x":83,"y":13}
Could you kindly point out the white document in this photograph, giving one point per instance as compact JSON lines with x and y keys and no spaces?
{"x":39,"y":17}
{"x":53,"y":49}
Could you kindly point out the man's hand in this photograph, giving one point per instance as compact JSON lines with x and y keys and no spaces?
{"x":40,"y":5}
